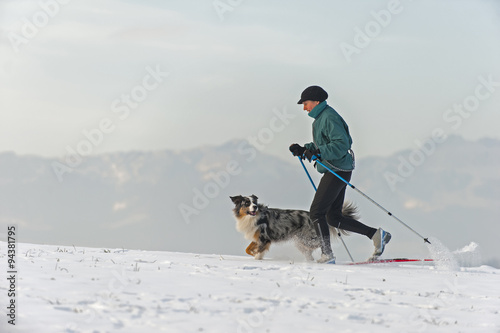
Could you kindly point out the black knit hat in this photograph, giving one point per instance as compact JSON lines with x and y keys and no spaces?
{"x":313,"y":93}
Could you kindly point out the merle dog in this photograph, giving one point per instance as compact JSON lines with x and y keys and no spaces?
{"x":263,"y":226}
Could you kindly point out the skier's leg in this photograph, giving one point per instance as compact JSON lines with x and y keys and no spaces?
{"x":327,"y":192}
{"x":337,"y":220}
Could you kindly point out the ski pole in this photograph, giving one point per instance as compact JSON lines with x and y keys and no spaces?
{"x":426,"y":240}
{"x":315,"y":189}
{"x":307,"y":172}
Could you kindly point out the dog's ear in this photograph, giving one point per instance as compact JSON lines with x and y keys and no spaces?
{"x":254,"y":197}
{"x":237,"y":199}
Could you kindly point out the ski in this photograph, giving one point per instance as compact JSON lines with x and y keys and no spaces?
{"x":385,"y":261}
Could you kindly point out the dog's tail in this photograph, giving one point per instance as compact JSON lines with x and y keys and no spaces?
{"x":348,"y":210}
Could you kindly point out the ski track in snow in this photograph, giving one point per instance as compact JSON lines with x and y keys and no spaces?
{"x":68,"y":289}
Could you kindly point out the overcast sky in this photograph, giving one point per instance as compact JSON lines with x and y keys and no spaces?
{"x":156,"y":75}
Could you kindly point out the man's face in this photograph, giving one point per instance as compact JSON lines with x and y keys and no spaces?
{"x":309,"y":105}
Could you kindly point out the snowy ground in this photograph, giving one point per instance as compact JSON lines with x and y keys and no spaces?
{"x":68,"y":289}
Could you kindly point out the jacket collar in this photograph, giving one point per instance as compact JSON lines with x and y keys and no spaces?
{"x":315,"y":112}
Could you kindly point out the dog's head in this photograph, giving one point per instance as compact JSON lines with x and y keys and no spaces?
{"x":244,"y":206}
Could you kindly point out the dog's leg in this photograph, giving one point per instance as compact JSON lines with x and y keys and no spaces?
{"x":259,"y":246}
{"x":262,"y":249}
{"x":262,"y":242}
{"x":308,"y":253}
{"x":251,"y":248}
{"x":304,"y":249}
{"x":309,"y":256}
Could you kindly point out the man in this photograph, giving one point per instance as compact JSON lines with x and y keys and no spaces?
{"x":332,"y":145}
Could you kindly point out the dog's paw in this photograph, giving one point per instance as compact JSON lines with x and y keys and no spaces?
{"x":251,"y":249}
{"x":259,"y":256}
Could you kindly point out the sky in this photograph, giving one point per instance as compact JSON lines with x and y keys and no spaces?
{"x":100,"y":76}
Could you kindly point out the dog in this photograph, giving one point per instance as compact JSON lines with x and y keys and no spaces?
{"x":263,"y":226}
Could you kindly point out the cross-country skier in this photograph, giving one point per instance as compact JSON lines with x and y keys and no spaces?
{"x":332,"y":145}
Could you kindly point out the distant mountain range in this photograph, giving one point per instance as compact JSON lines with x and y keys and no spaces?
{"x":179,"y":200}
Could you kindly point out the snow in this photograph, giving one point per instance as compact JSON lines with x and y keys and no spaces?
{"x":75,"y":289}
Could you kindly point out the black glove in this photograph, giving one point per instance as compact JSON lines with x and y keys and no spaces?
{"x":312,"y":155}
{"x":297,"y":150}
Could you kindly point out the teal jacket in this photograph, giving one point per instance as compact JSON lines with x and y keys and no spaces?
{"x":331,"y":136}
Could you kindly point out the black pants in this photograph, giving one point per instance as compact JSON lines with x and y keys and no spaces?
{"x":326,"y":209}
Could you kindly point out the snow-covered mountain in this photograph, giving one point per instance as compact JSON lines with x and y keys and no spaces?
{"x":179,"y":200}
